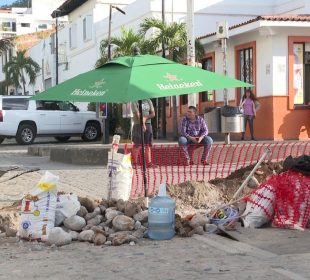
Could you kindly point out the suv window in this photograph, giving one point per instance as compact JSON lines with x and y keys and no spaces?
{"x":66,"y":106}
{"x":15,"y":103}
{"x":47,"y":105}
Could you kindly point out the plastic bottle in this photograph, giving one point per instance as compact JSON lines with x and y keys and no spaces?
{"x":115,"y":143}
{"x":161,"y":216}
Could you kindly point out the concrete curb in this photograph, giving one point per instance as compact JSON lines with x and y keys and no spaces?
{"x":77,"y":155}
{"x":73,"y":154}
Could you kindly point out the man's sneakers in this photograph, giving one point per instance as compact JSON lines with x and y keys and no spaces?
{"x":190,"y":162}
{"x":151,"y":165}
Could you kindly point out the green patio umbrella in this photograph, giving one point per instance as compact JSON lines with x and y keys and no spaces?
{"x":132,"y":78}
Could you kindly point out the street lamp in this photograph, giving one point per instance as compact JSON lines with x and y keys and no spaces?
{"x":110,"y":22}
{"x":56,"y":14}
{"x":105,"y":122}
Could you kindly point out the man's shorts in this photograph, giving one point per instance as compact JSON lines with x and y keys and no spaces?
{"x":148,"y":134}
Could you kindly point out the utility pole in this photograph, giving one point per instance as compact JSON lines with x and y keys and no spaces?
{"x":192,"y":98}
{"x":222,"y":34}
{"x":163,"y":99}
{"x":56,"y":14}
{"x":105,"y":121}
{"x":56,"y":49}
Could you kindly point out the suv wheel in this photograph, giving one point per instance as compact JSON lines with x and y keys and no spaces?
{"x":1,"y":139}
{"x":62,"y":138}
{"x":91,"y":132}
{"x":26,"y":134}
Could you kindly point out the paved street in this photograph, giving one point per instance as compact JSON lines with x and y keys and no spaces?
{"x":262,"y":254}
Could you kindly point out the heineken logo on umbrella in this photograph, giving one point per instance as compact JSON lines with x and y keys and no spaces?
{"x":175,"y":83}
{"x":98,"y":84}
{"x":95,"y":90}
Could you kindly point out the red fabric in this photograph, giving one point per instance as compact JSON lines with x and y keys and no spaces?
{"x":292,"y":199}
{"x":292,"y":207}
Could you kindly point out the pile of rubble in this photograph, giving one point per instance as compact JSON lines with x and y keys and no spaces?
{"x":115,"y":222}
{"x":112,"y":222}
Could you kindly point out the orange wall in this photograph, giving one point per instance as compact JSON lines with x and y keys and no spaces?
{"x":290,"y":124}
{"x":274,"y":121}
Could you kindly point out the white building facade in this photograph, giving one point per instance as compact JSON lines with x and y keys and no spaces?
{"x":19,"y":21}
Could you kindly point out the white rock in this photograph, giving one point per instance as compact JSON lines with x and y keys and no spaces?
{"x":111,"y":214}
{"x":132,"y":243}
{"x":59,"y":218}
{"x":75,"y":223}
{"x":123,"y":223}
{"x":108,"y":243}
{"x":58,"y":237}
{"x":65,"y":229}
{"x":92,"y":215}
{"x":95,"y":221}
{"x":74,"y":235}
{"x":199,"y":220}
{"x":82,"y":212}
{"x":137,"y":225}
{"x":102,"y":209}
{"x":141,"y":216}
{"x":99,"y":239}
{"x":86,"y":235}
{"x":139,"y":233}
{"x":210,"y":228}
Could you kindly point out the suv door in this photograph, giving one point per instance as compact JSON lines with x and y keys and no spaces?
{"x":71,"y":120}
{"x":49,"y":117}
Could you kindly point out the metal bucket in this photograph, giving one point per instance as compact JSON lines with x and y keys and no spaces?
{"x":232,"y":124}
{"x":212,"y":118}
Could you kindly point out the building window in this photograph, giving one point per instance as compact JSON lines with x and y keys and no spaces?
{"x":42,"y":26}
{"x":207,"y":64}
{"x":245,"y":67}
{"x":6,"y":26}
{"x":53,"y":43}
{"x":87,"y":28}
{"x":298,"y":71}
{"x":301,"y":73}
{"x":72,"y":36}
{"x":245,"y":59}
{"x":47,"y":83}
{"x":24,"y":24}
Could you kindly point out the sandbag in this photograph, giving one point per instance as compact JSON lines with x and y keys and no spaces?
{"x":119,"y":176}
{"x":38,"y":209}
{"x":259,"y":209}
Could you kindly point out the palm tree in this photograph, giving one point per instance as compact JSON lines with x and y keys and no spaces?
{"x":124,"y":45}
{"x":19,"y":67}
{"x":5,"y":45}
{"x":174,"y":37}
{"x":171,"y":35}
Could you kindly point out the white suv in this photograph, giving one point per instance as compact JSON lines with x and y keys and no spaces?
{"x":26,"y":119}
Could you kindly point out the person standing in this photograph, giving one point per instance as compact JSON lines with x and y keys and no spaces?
{"x":148,"y":113}
{"x":249,"y":111}
{"x":194,"y":130}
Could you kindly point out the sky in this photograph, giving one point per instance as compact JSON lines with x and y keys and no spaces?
{"x":6,"y":2}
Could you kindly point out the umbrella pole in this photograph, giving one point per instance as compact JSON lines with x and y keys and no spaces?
{"x":143,"y":153}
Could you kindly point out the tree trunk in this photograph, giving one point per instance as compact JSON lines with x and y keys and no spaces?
{"x":24,"y":88}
